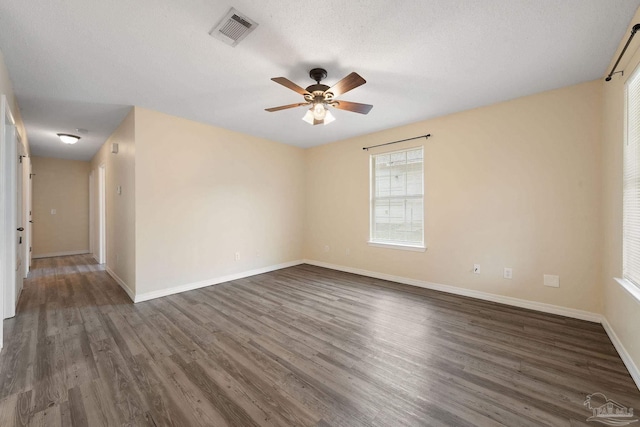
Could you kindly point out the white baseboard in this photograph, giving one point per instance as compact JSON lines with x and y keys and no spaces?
{"x":204,"y":283}
{"x":121,"y":282}
{"x":52,"y":254}
{"x":624,"y":355}
{"x":517,"y":302}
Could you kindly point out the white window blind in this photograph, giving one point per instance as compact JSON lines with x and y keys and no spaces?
{"x":631,"y":184}
{"x":397,"y":198}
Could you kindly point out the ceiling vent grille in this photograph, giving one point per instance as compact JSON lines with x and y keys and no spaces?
{"x":233,"y":28}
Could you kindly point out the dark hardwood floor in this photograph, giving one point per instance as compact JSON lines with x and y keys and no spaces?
{"x":302,"y":346}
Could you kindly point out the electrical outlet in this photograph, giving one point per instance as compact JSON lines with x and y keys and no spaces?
{"x":476,"y":268}
{"x":237,"y":256}
{"x":552,"y":280}
{"x":508,"y":273}
{"x":53,"y":211}
{"x":326,"y":248}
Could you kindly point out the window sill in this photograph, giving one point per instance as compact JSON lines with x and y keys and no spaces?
{"x":397,"y":246}
{"x":629,"y":287}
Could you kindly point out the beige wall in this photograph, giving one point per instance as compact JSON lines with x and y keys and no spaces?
{"x":204,"y":193}
{"x":621,"y":310}
{"x":515,"y":184}
{"x":62,"y":185}
{"x":120,"y":208}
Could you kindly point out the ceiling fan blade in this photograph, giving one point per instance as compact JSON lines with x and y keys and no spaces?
{"x":350,"y":82}
{"x":352,"y":106}
{"x":291,"y":85}
{"x":284,"y":107}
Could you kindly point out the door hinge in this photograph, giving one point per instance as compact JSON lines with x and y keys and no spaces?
{"x":20,"y":158}
{"x":20,"y":241}
{"x":30,"y":248}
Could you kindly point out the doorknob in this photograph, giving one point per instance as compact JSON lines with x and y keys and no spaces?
{"x":20,"y":229}
{"x":31,"y":221}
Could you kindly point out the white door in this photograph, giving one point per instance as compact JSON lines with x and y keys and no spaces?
{"x":28,"y":206}
{"x":20,"y":226}
{"x":4,"y":264}
{"x":10,"y":209}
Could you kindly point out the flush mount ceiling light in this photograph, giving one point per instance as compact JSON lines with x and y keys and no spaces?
{"x":68,"y":138}
{"x":320,"y":97}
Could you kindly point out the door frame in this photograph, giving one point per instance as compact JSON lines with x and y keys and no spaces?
{"x":28,"y":212}
{"x":8,"y":201}
{"x":21,"y":244}
{"x":92,"y":220}
{"x":102,"y":214}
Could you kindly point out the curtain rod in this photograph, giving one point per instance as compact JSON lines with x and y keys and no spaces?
{"x":402,"y":140}
{"x":634,"y":30}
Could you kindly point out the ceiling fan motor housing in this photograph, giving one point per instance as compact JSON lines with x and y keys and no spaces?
{"x":318,"y":74}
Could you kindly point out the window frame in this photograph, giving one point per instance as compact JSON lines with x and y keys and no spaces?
{"x":392,"y":244}
{"x":631,"y":286}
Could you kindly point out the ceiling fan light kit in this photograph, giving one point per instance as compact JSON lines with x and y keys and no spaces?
{"x":320,"y":97}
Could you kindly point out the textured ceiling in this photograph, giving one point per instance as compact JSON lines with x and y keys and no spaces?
{"x":80,"y":63}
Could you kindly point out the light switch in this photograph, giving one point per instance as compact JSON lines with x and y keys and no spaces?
{"x":53,"y":211}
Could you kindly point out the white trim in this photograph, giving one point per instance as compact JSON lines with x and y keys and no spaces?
{"x":629,"y":287}
{"x":121,"y":282}
{"x":91,"y":215}
{"x":67,"y":253}
{"x":102,"y":214}
{"x":516,"y":302}
{"x":624,"y":355}
{"x":397,"y":246}
{"x":215,"y":281}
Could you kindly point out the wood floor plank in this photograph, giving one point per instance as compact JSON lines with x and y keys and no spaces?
{"x":301,"y":346}
{"x":49,"y":417}
{"x":187,"y":393}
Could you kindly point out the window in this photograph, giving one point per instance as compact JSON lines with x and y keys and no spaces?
{"x":397,"y":200}
{"x":631,"y":184}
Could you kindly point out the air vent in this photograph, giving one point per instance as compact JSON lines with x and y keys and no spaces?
{"x":233,"y":28}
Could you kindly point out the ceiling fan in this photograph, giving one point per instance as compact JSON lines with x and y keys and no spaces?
{"x":320,"y":96}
